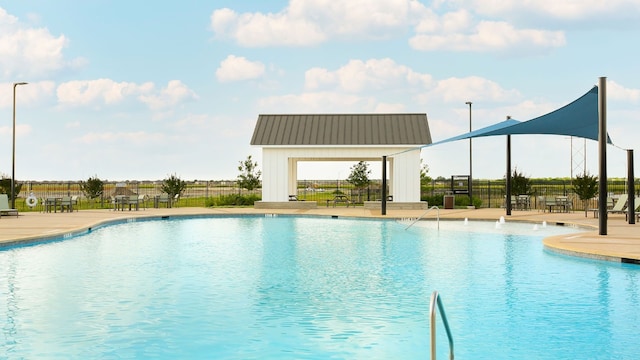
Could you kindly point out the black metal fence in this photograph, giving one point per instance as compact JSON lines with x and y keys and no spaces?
{"x":196,"y":193}
{"x":487,"y":193}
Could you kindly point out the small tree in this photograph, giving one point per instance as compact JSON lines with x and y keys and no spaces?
{"x":5,"y":187}
{"x":586,"y":187}
{"x":520,"y":184}
{"x":93,"y":188}
{"x":249,"y":177}
{"x":173,"y":185}
{"x":425,"y":179}
{"x":359,"y":177}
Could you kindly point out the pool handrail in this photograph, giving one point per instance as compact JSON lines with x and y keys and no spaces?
{"x":435,"y":300}
{"x":425,"y":213}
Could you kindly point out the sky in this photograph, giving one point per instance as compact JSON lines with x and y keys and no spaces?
{"x":133,"y":90}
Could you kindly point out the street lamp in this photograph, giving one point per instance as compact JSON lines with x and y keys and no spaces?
{"x":470,"y":159}
{"x":13,"y":154}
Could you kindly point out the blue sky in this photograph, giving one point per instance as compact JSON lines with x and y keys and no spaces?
{"x":132,"y":90}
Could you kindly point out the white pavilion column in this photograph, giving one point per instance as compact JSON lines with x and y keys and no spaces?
{"x":292,"y":178}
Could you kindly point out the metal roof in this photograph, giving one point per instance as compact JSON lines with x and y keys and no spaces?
{"x":341,"y":129}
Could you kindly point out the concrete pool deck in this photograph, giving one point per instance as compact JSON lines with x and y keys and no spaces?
{"x":622,"y":242}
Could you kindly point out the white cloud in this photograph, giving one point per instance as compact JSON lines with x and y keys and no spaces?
{"x":30,"y":52}
{"x":25,"y":94}
{"x":309,"y":22}
{"x":571,"y":10}
{"x":108,"y":92}
{"x":237,"y":68}
{"x":486,"y":36}
{"x":373,"y":74}
{"x":316,"y":102}
{"x":387,"y":108}
{"x":470,"y":88}
{"x":135,"y":137}
{"x":21,"y":130}
{"x":174,"y":93}
{"x":256,"y":29}
{"x":616,"y":91}
{"x":97,"y":92}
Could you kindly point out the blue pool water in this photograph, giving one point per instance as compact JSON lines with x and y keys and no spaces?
{"x":312,"y":288}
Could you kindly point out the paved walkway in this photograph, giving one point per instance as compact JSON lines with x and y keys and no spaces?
{"x":622,"y":242}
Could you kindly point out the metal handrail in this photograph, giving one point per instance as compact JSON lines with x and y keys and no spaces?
{"x":425,"y":213}
{"x":435,"y":300}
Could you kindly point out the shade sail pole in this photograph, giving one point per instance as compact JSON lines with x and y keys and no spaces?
{"x":383,"y":205}
{"x":602,"y":153}
{"x":507,"y":200}
{"x":631,"y":206}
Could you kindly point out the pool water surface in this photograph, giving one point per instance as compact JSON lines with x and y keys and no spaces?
{"x":312,"y":288}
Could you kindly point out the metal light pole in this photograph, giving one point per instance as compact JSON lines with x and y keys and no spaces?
{"x":470,"y":159}
{"x":13,"y":154}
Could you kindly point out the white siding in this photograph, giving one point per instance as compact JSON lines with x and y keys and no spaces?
{"x":279,"y":173}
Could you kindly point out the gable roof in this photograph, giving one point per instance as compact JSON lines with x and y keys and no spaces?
{"x":341,"y":129}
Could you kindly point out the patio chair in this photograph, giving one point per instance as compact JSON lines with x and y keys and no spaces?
{"x":66,"y":203}
{"x":162,"y":199}
{"x":142,"y":199}
{"x":4,"y":206}
{"x":550,"y":202}
{"x":619,"y":207}
{"x":75,"y":202}
{"x":133,"y":200}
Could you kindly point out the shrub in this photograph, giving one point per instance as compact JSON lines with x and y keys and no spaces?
{"x":520,"y":184}
{"x":173,"y":185}
{"x":92,"y":188}
{"x":232,"y":200}
{"x":5,"y":187}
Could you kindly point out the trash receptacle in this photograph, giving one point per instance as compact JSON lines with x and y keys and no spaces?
{"x":449,"y":201}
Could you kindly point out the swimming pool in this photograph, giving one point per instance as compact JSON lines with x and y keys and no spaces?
{"x":312,"y":288}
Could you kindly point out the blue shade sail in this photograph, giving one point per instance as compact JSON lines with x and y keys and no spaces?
{"x":578,"y":118}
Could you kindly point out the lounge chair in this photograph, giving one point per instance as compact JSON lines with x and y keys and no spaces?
{"x":637,"y":208}
{"x":4,"y":206}
{"x":619,"y":207}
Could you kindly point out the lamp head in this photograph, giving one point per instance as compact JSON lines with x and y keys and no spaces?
{"x":19,"y":83}
{"x":468,"y":103}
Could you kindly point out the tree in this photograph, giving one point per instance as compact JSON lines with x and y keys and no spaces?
{"x":5,"y":187}
{"x":173,"y":185}
{"x":425,"y":179}
{"x":359,"y":176}
{"x":249,"y":177}
{"x":520,"y":184}
{"x":586,"y":187}
{"x":93,"y":188}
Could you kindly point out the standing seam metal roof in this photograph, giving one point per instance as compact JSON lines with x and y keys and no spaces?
{"x":342,"y":129}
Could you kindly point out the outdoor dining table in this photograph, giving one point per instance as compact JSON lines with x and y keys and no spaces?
{"x":119,"y":202}
{"x":338,"y":199}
